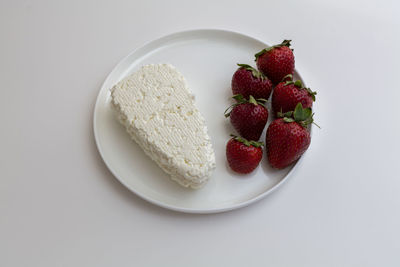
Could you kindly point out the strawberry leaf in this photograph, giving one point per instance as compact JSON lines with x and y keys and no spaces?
{"x":239,"y":98}
{"x":285,"y":43}
{"x":311,"y":93}
{"x":252,"y":100}
{"x":286,"y":114}
{"x":289,"y":76}
{"x":286,"y":119}
{"x":256,"y":74}
{"x":262,"y":100}
{"x":228,"y":111}
{"x":288,"y":82}
{"x":265,"y":50}
{"x":245,"y":66}
{"x":262,"y":52}
{"x":301,"y":114}
{"x":256,"y":144}
{"x":247,"y":142}
{"x":298,"y":84}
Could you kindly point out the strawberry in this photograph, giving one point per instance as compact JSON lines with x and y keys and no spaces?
{"x":249,"y":81}
{"x":243,"y":156}
{"x":287,"y":138}
{"x":288,"y":94}
{"x":276,"y":61}
{"x":248,"y":117}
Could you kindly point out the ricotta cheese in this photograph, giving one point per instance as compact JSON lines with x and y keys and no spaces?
{"x":158,"y":111}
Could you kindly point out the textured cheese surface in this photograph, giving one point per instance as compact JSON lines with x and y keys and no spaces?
{"x":158,"y":110}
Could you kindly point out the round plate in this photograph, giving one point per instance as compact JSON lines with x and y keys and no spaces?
{"x":207,"y":59}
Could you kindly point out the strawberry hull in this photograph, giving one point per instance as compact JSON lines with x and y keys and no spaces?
{"x":244,"y":83}
{"x":286,"y":97}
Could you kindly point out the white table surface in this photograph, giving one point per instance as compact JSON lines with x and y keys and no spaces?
{"x":60,"y":206}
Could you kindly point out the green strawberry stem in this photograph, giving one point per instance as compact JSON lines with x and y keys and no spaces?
{"x":241,"y":100}
{"x":252,"y":100}
{"x":311,"y":93}
{"x":256,"y":74}
{"x":316,"y":124}
{"x":290,"y":76}
{"x":299,"y":85}
{"x":286,"y":114}
{"x":302,"y":116}
{"x":284,"y":43}
{"x":247,"y":142}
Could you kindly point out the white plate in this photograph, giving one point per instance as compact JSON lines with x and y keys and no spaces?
{"x":207,"y":58}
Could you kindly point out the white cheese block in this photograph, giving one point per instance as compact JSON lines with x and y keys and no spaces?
{"x":158,"y":110}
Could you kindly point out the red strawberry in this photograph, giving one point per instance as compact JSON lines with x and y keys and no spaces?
{"x":288,"y":94}
{"x":276,"y":61}
{"x":249,"y":81}
{"x":248,"y":117}
{"x":243,"y":156}
{"x":287,"y":138}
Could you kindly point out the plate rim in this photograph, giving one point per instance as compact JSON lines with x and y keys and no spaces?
{"x":160,"y":203}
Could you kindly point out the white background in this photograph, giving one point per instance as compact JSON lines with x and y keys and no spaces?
{"x":60,"y":206}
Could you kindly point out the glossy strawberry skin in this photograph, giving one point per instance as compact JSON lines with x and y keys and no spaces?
{"x":242,"y":158}
{"x":249,"y":120}
{"x":285,"y":142}
{"x":276,"y":63}
{"x":286,"y":97}
{"x":244,"y":83}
